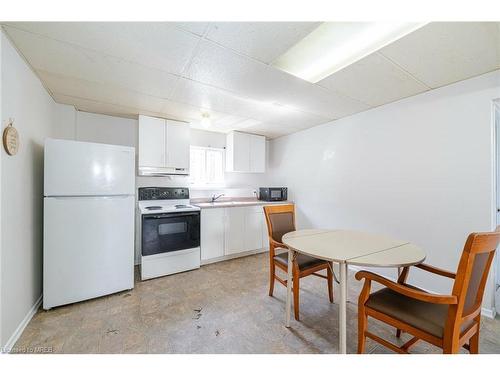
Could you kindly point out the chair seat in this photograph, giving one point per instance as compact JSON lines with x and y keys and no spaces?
{"x":304,"y":261}
{"x":428,"y":317}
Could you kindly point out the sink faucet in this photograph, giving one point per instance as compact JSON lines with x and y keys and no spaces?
{"x":214,"y":198}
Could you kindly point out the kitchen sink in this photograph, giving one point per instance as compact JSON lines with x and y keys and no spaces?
{"x":226,"y":203}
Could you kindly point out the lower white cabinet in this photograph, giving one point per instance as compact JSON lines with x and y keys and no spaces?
{"x":253,"y":228}
{"x":232,"y":230}
{"x":212,"y":233}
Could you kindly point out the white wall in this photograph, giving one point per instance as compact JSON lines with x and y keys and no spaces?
{"x":25,"y":100}
{"x":419,"y":169}
{"x":1,"y":118}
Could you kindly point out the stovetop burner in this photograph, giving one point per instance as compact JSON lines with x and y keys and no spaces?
{"x":156,"y":200}
{"x":151,"y":208}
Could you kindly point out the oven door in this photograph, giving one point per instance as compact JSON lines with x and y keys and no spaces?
{"x":167,"y":232}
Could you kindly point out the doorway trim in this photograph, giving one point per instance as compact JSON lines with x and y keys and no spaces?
{"x":494,"y":284}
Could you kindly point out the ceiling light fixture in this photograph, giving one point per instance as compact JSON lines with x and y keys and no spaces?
{"x":335,"y":45}
{"x":205,"y":120}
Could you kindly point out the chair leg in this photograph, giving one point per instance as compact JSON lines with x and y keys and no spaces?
{"x":450,"y":346}
{"x":296,"y":289}
{"x":474,"y":344}
{"x":362,"y":326}
{"x":272,"y":272}
{"x":329,"y":275}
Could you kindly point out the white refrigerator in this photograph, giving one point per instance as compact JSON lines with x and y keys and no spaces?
{"x":89,"y":203}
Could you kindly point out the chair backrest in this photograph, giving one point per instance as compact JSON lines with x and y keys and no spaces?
{"x":472,"y":274}
{"x":280,"y":219}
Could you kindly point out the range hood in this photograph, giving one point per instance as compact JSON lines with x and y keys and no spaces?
{"x":162,"y":171}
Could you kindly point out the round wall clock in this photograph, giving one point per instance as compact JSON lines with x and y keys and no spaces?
{"x":11,"y":139}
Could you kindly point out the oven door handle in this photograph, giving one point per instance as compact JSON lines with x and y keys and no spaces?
{"x":173,"y":214}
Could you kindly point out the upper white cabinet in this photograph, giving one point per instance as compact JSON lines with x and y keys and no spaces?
{"x":245,"y":153}
{"x":238,"y":152}
{"x":163,"y":146}
{"x":151,"y":142}
{"x":257,"y":153}
{"x":177,"y":145}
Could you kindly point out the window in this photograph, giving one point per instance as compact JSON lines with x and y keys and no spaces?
{"x":206,"y":166}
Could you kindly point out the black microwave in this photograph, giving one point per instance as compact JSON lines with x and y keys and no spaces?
{"x":270,"y":194}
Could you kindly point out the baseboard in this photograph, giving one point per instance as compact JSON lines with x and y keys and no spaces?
{"x":234,"y":256}
{"x":223,"y":258}
{"x":20,"y":328}
{"x":489,"y":313}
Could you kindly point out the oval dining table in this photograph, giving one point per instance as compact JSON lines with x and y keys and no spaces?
{"x":347,"y":247}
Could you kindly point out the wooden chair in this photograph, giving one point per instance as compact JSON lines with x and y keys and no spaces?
{"x":281,"y":220}
{"x":447,"y":321}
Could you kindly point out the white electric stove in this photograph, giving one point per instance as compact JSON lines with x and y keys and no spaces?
{"x":169,"y":235}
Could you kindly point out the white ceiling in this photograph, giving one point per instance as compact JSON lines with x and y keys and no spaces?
{"x":181,"y":70}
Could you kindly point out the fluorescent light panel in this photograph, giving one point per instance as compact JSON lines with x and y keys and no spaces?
{"x":335,"y":45}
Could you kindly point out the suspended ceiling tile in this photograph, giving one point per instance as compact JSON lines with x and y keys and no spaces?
{"x":219,"y":67}
{"x":43,"y":53}
{"x":248,"y":123}
{"x":204,"y":96}
{"x":90,"y":61}
{"x":228,"y":121}
{"x":316,"y":99}
{"x":289,"y":116}
{"x":116,"y":96}
{"x":374,"y":80}
{"x":223,"y":123}
{"x":264,"y":41}
{"x":87,"y":105}
{"x":155,"y":44}
{"x":105,"y":108}
{"x":65,"y":59}
{"x":197,"y":28}
{"x":100,"y":92}
{"x":271,"y":130}
{"x":445,"y":52}
{"x":197,"y":125}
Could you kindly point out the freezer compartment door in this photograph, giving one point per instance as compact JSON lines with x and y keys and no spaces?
{"x":81,"y":168}
{"x":88,"y":248}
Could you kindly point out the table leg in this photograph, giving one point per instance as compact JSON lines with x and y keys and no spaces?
{"x":289,"y":289}
{"x":343,"y":309}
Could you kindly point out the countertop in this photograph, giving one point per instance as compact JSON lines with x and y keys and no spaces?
{"x":232,"y":202}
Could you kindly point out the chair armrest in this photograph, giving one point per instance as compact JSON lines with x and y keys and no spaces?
{"x":407,"y":291}
{"x":277,"y":244}
{"x":437,"y":271}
